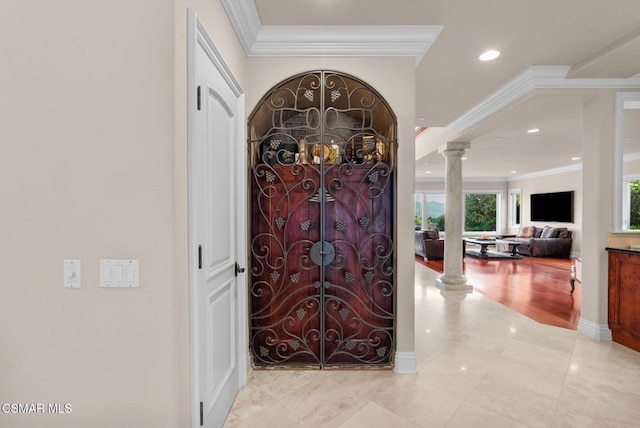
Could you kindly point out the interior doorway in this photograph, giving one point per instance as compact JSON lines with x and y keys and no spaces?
{"x":218,"y":319}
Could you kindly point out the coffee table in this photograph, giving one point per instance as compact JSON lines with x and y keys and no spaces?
{"x":484,"y":243}
{"x":485,"y":254}
{"x":512,"y":247}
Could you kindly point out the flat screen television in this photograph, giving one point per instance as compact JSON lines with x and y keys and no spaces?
{"x":556,"y":206}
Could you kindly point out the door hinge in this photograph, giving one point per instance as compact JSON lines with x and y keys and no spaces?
{"x":199,"y":256}
{"x":201,"y":414}
{"x":198,"y":97}
{"x":239,"y":269}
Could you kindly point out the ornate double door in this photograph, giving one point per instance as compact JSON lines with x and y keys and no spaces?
{"x":322,"y":256}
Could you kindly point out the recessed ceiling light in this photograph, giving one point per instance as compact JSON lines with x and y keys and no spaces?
{"x":513,"y":172}
{"x":489,"y":55}
{"x":421,"y":118}
{"x":576,"y":158}
{"x":533,"y":130}
{"x":427,"y":172}
{"x":465,"y":158}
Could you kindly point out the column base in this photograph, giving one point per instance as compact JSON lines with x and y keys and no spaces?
{"x":457,"y":283}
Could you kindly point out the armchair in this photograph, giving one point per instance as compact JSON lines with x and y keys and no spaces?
{"x":429,"y":245}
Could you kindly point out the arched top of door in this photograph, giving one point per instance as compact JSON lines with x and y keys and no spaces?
{"x":335,"y":108}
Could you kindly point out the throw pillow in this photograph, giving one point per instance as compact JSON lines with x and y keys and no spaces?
{"x":526,"y":232}
{"x":548,"y":232}
{"x":564,"y":233}
{"x":431,"y":234}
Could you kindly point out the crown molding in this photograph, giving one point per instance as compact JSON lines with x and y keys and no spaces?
{"x":629,"y":157}
{"x":464,"y":180}
{"x":327,"y":40}
{"x":354,"y":40}
{"x":536,"y":77}
{"x":244,"y":19}
{"x":546,"y":172}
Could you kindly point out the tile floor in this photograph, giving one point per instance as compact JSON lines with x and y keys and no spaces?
{"x":480,"y":365}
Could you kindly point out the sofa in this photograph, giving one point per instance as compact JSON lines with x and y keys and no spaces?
{"x":429,"y":245}
{"x":544,"y":241}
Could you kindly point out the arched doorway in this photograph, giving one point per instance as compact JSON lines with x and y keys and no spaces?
{"x":322,"y":154}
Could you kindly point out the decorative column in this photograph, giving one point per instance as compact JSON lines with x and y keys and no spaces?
{"x":598,"y":181}
{"x":453,"y":279}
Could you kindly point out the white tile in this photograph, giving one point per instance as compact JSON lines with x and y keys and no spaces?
{"x":480,"y":365}
{"x":593,"y":399}
{"x":536,"y":378}
{"x":514,"y":402}
{"x":470,"y":415}
{"x":373,"y":415}
{"x":279,"y":383}
{"x":250,"y":401}
{"x":273,"y":416}
{"x":323,"y":403}
{"x":456,"y":369}
{"x":417,"y":401}
{"x":538,"y":355}
{"x":556,"y":338}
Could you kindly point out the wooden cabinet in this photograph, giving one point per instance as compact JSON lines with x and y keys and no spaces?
{"x":624,"y":297}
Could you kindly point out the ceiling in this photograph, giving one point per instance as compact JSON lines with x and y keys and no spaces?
{"x":493,"y":104}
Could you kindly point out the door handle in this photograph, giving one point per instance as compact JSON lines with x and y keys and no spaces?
{"x":239,"y":269}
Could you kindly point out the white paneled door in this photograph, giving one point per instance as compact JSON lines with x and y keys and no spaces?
{"x":215,"y":124}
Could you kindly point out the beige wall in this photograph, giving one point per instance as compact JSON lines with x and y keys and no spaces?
{"x":394,"y":79}
{"x":566,"y":181}
{"x":631,"y":168}
{"x":94,"y":166}
{"x":88,"y":136}
{"x":94,"y":132}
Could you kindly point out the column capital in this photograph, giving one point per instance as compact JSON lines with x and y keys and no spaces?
{"x":454,"y":148}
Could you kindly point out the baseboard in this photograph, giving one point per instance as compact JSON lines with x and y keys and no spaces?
{"x":600,"y":332}
{"x":246,"y":371}
{"x":406,"y":363}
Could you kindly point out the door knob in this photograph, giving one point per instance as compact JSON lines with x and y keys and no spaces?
{"x":239,"y":269}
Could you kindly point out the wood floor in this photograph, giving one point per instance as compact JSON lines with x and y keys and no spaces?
{"x":536,"y":287}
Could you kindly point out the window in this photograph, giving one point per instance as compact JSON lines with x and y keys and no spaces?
{"x":429,"y":210}
{"x":515,"y":196}
{"x":481,"y":212}
{"x":631,"y":204}
{"x":419,"y":209}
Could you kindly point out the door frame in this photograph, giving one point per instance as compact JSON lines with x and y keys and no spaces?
{"x":196,"y":34}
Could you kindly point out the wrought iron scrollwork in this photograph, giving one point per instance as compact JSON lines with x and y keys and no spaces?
{"x":322,"y":158}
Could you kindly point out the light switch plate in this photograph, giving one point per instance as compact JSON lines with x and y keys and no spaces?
{"x":119,"y":273}
{"x":72,"y":273}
